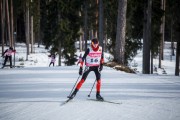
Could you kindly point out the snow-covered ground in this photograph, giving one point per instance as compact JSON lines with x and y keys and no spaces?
{"x":37,"y":91}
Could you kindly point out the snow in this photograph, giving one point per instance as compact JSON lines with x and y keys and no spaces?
{"x":37,"y":91}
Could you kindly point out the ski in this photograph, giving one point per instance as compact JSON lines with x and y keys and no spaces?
{"x":107,"y":101}
{"x":65,"y":102}
{"x":68,"y":100}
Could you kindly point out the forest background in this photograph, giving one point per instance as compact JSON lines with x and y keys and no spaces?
{"x":122,"y":27}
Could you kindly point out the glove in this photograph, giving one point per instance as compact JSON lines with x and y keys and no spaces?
{"x":80,"y":71}
{"x":100,"y":67}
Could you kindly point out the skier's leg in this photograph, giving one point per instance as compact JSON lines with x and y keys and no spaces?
{"x":10,"y":60}
{"x":85,"y":74}
{"x":98,"y":85}
{"x":5,"y":60}
{"x":50,"y":64}
{"x":98,"y":79}
{"x":77,"y":88}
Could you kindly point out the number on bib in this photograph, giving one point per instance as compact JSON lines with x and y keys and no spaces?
{"x":94,"y":60}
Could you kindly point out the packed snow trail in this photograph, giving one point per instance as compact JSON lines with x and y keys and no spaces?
{"x":37,"y":94}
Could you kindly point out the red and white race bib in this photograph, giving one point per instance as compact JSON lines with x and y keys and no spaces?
{"x":94,"y":57}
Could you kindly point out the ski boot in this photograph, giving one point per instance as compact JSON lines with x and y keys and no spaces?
{"x":73,"y":94}
{"x":99,"y":97}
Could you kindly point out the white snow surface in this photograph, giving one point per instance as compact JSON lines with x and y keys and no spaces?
{"x":37,"y":91}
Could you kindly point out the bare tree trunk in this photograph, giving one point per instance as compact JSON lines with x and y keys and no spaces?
{"x":144,"y":67}
{"x":59,"y":52}
{"x":12,"y":25}
{"x":147,"y":36}
{"x":177,"y":56}
{"x":91,"y":34}
{"x":13,"y":36}
{"x":60,"y":39}
{"x":177,"y":35}
{"x":152,"y":56}
{"x":97,"y":14}
{"x":8,"y":23}
{"x":163,"y":29}
{"x":32,"y":33}
{"x":39,"y":25}
{"x":27,"y":28}
{"x":105,"y":43}
{"x":172,"y":42}
{"x":101,"y":23}
{"x":80,"y":40}
{"x":160,"y":55}
{"x":161,"y":48}
{"x":121,"y":32}
{"x":105,"y":38}
{"x":163,"y":32}
{"x":85,"y":23}
{"x":2,"y":22}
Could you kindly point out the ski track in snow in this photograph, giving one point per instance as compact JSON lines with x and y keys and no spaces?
{"x":37,"y":94}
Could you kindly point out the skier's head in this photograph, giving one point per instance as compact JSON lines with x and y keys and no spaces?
{"x":53,"y":55}
{"x":95,"y":44}
{"x":10,"y":48}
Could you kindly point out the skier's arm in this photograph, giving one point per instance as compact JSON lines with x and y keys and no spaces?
{"x":84,"y":57}
{"x":14,"y":51}
{"x":4,"y":52}
{"x":82,"y":62}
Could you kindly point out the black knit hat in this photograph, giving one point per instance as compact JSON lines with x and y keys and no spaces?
{"x":10,"y":48}
{"x":94,"y":40}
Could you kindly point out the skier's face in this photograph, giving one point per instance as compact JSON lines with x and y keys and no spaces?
{"x":95,"y":44}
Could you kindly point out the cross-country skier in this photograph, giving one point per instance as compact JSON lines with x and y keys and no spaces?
{"x":53,"y":59}
{"x":94,"y":60}
{"x":8,"y":55}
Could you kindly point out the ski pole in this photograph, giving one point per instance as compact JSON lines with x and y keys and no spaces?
{"x":76,"y":82}
{"x":92,"y":86}
{"x":91,"y":89}
{"x":74,"y":85}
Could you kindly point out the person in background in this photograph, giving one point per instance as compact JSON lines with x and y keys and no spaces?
{"x":53,"y":59}
{"x":94,"y":60}
{"x":8,"y":55}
